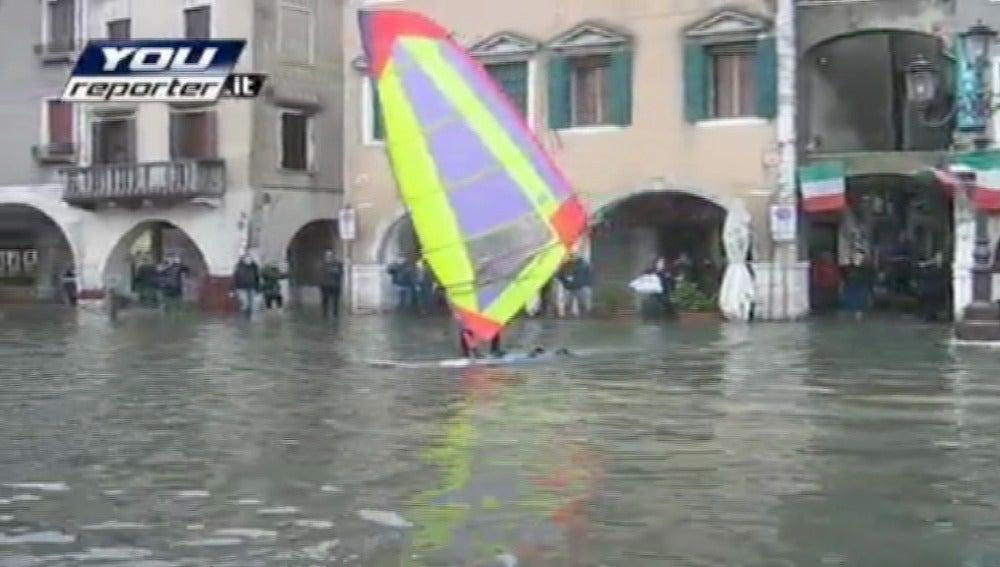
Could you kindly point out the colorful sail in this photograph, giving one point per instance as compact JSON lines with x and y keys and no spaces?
{"x":494,"y":216}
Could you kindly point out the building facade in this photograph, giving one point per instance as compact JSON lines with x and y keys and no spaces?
{"x":36,"y":227}
{"x":204,"y":182}
{"x":854,"y":113}
{"x":662,"y":116}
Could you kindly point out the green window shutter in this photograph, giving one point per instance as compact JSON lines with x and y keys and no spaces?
{"x":621,"y":88}
{"x":559,"y":98}
{"x":695,"y":82}
{"x":767,"y":78}
{"x":378,"y":124}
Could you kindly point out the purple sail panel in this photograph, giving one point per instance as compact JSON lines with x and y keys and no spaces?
{"x":488,"y":203}
{"x":507,"y":117}
{"x":482,"y":192}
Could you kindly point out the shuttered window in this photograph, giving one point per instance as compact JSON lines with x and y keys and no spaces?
{"x":193,"y":134}
{"x":61,"y":25}
{"x":120,"y":29}
{"x":512,"y":78}
{"x":377,"y":122}
{"x":198,"y":22}
{"x":113,"y":140}
{"x":60,"y":122}
{"x":730,"y":80}
{"x":294,"y":141}
{"x":590,"y":90}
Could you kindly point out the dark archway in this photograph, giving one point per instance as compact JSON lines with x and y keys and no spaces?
{"x":852,"y":94}
{"x":34,"y":251}
{"x":305,"y":254}
{"x":630,"y":234}
{"x":901,"y":223}
{"x":399,"y":242}
{"x":153,"y":241}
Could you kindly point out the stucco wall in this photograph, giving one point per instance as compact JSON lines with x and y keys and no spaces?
{"x":726,"y":157}
{"x":26,"y":81}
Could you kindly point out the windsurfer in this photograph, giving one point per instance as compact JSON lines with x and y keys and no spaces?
{"x":466,"y":341}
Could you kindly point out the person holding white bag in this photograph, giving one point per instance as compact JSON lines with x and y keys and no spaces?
{"x":657,"y":283}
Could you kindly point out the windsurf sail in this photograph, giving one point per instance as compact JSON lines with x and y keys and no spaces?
{"x":494,"y":215}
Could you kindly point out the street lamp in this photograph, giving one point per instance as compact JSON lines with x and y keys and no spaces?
{"x":981,"y":318}
{"x":922,"y":80}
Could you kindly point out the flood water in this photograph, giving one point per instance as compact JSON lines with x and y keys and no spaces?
{"x":227,"y":443}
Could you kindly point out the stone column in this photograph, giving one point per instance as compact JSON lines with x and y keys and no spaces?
{"x":782,"y":280}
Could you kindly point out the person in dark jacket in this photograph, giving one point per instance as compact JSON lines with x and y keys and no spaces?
{"x":331,"y":284}
{"x":270,"y":286}
{"x":934,"y":284}
{"x":246,"y":283}
{"x":859,"y":277}
{"x":401,"y":274}
{"x":144,"y":282}
{"x":69,"y":286}
{"x":170,"y":280}
{"x":576,"y":279}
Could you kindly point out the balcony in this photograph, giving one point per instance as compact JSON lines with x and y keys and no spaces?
{"x":58,"y":50}
{"x":56,"y":152}
{"x":136,"y":184}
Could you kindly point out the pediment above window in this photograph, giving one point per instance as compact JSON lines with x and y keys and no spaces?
{"x":504,"y":44}
{"x":590,"y":35}
{"x":729,"y":23}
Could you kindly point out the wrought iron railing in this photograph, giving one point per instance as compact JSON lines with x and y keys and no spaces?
{"x":157,"y":181}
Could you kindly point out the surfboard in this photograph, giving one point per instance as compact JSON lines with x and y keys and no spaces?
{"x":506,"y":360}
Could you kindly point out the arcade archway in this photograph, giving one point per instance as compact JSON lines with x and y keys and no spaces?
{"x":34,"y":253}
{"x":152,"y":242}
{"x":630,"y":234}
{"x":903,"y":226}
{"x":305,"y":254}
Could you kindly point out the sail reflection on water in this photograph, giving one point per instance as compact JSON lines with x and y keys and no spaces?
{"x":517,"y":475}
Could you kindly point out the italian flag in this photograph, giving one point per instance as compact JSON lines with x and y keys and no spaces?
{"x":822,"y":187}
{"x":986,"y":164}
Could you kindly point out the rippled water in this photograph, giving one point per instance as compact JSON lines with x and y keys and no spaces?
{"x":227,"y":443}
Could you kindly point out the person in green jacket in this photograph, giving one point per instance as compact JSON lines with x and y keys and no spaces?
{"x":270,"y":284}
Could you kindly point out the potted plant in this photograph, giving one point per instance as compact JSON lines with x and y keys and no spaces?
{"x":614,"y":301}
{"x":694,"y":305}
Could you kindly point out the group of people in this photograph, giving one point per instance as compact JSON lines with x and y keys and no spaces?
{"x":251,"y":282}
{"x":417,"y":291}
{"x":893,"y":280}
{"x":160,"y":284}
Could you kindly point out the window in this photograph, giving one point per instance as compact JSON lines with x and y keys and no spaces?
{"x":590,"y":78}
{"x":57,"y":142}
{"x":193,"y":134}
{"x":120,"y":29}
{"x":295,"y":152}
{"x":59,"y":124}
{"x":198,"y":22}
{"x":113,"y":140}
{"x":60,"y":28}
{"x":733,"y":84}
{"x":512,"y":78}
{"x":730,"y":68}
{"x":590,"y":90}
{"x":296,"y":33}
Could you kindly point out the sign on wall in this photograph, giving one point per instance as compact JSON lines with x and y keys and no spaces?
{"x":784,"y":223}
{"x":347,"y":223}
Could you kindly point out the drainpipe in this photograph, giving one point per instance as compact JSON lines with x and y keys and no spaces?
{"x":785,"y":254}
